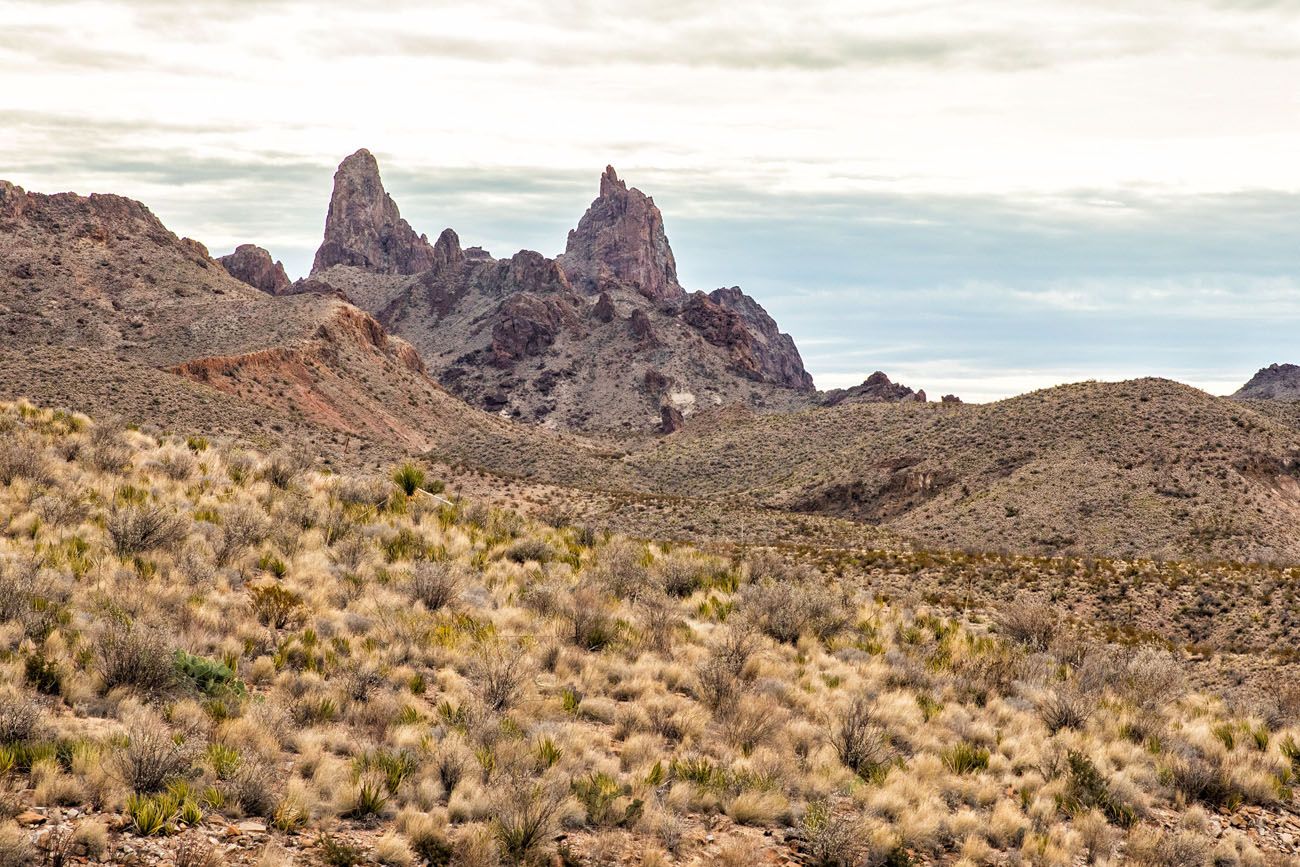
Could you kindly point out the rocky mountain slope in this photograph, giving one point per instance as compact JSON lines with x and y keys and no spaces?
{"x":1275,"y":382}
{"x":602,"y":338}
{"x":101,"y":276}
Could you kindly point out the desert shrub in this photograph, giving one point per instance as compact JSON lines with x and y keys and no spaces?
{"x":61,"y":508}
{"x":722,"y":675}
{"x":658,"y":619}
{"x":207,"y":676}
{"x":20,"y":717}
{"x":285,"y":466}
{"x":862,"y":743}
{"x":750,"y":722}
{"x":15,"y":849}
{"x":128,"y":654}
{"x":828,"y":839}
{"x":367,"y":492}
{"x":337,"y":853}
{"x":530,"y":550}
{"x":787,"y":609}
{"x":525,"y":817}
{"x":621,"y":568}
{"x":108,"y":453}
{"x":429,"y":843}
{"x":680,"y":574}
{"x":241,"y":528}
{"x":409,"y":478}
{"x":276,"y":606}
{"x":1202,"y":778}
{"x":1152,"y":847}
{"x":1033,"y":624}
{"x":497,"y":676}
{"x":194,"y":851}
{"x":1088,"y":790}
{"x":152,"y":756}
{"x":436,"y":583}
{"x":1151,"y":678}
{"x":18,"y":582}
{"x":135,"y":528}
{"x":1066,"y":708}
{"x":22,"y":459}
{"x":593,"y":622}
{"x":964,"y":757}
{"x":177,"y":464}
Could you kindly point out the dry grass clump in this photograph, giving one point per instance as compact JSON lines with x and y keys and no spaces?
{"x":435,"y":681}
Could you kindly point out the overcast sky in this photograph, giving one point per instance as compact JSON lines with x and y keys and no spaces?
{"x":976,"y":197}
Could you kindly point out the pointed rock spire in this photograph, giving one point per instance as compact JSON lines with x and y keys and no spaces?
{"x":364,"y":228}
{"x":447,"y":250}
{"x":621,"y":240}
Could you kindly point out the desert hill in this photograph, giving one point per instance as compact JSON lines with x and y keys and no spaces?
{"x":106,"y":310}
{"x":1147,"y":467}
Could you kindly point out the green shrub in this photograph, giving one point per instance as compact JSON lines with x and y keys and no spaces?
{"x":1088,"y":790}
{"x":208,"y":676}
{"x":965,"y":758}
{"x":409,"y":478}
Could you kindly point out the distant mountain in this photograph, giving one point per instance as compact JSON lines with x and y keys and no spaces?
{"x":1275,"y":382}
{"x":601,"y":338}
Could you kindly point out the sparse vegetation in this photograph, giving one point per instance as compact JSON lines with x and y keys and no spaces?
{"x":382,"y":679}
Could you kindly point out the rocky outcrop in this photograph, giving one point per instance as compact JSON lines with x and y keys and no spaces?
{"x":1275,"y":382}
{"x":551,"y":339}
{"x":621,"y":240}
{"x":526,"y":324}
{"x":254,"y":266}
{"x":670,"y":419}
{"x":364,"y":228}
{"x":876,"y":388}
{"x":603,"y":309}
{"x":774,"y":354}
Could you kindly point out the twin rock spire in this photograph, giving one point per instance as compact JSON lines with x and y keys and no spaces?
{"x":619,"y":239}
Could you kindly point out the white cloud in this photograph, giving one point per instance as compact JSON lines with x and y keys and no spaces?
{"x":895,"y":180}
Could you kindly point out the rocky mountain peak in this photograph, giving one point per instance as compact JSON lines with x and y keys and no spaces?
{"x":1275,"y":382}
{"x":363,"y":227}
{"x":254,"y":266}
{"x":620,"y":240}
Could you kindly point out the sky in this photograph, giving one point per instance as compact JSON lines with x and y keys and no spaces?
{"x":979,"y":198}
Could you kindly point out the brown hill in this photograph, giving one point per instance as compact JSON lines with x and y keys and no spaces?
{"x":1147,"y":466}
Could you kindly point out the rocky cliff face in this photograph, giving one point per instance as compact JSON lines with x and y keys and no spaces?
{"x":254,"y":266}
{"x":621,"y":240}
{"x":363,"y":227}
{"x":1275,"y":382}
